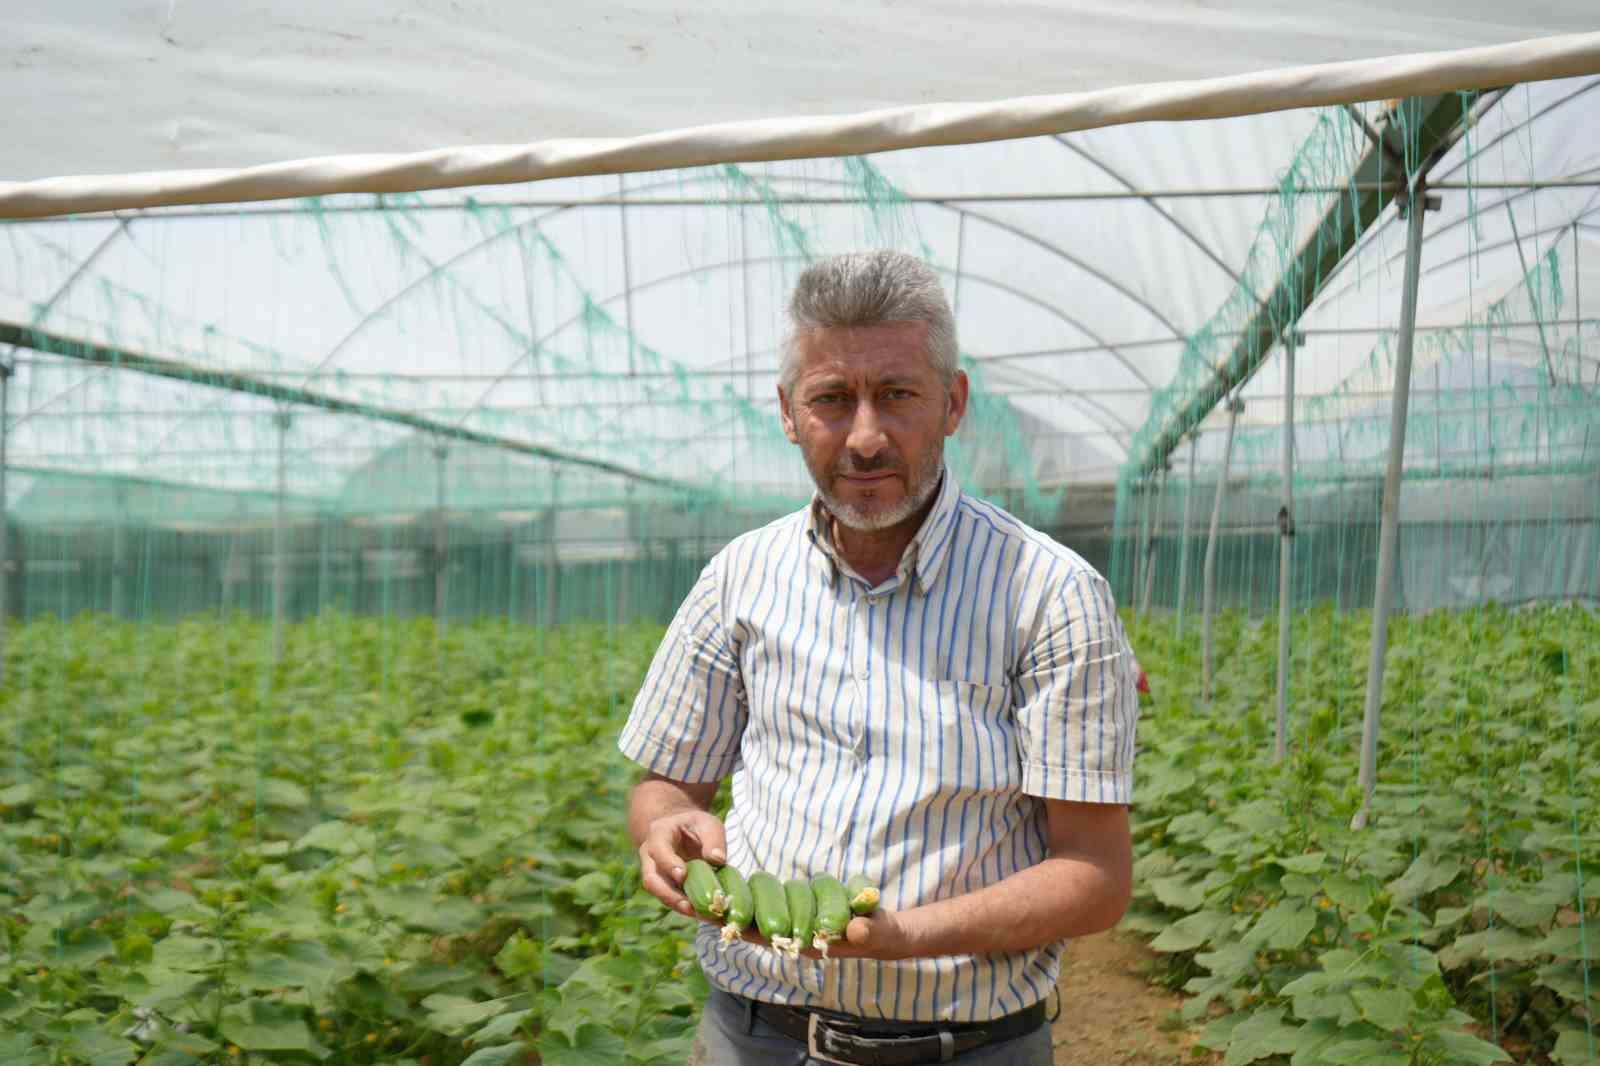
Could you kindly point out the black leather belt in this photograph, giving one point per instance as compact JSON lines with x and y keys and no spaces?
{"x":862,"y":1042}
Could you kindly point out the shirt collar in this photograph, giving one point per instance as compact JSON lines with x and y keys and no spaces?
{"x":928,"y":548}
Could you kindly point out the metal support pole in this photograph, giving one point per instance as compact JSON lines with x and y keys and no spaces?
{"x":1416,"y":207}
{"x":119,"y":553}
{"x":280,"y":561}
{"x":1183,"y":538}
{"x":1150,"y":544}
{"x":1208,"y":604}
{"x":552,"y":582}
{"x":440,"y":541}
{"x":6,"y":370}
{"x":1286,"y":549}
{"x":1141,"y":522}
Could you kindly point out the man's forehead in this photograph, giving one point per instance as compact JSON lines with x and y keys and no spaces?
{"x":897,"y":349}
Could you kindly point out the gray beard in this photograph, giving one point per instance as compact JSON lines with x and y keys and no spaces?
{"x":852,"y":517}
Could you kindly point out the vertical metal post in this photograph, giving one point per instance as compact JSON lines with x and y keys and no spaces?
{"x":1140,"y":532}
{"x":6,"y":370}
{"x":1416,"y":206}
{"x":440,"y":545}
{"x":280,"y":562}
{"x":552,"y":583}
{"x":1286,"y":549}
{"x":1208,"y":603}
{"x":119,"y":552}
{"x":627,"y":273}
{"x":1150,"y":543}
{"x":1183,"y":538}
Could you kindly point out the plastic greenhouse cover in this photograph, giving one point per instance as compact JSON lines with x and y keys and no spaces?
{"x":648,"y":335}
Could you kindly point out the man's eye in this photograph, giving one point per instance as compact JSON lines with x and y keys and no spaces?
{"x":828,"y":397}
{"x":898,"y":394}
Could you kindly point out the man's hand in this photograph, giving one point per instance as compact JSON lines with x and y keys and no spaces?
{"x":669,"y":843}
{"x":672,"y":823}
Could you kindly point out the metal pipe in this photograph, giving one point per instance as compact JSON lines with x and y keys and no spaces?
{"x":440,"y":541}
{"x":1209,"y":578}
{"x":1141,"y":513}
{"x":5,"y":515}
{"x":1286,"y":551}
{"x":1183,"y":539}
{"x":379,"y":206}
{"x":280,"y":562}
{"x":1150,"y":545}
{"x":1389,"y":520}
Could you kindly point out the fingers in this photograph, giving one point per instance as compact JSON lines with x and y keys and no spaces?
{"x":709,"y":837}
{"x":659,"y":886}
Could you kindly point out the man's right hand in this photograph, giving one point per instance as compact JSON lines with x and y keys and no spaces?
{"x":672,"y":823}
{"x":671,"y":841}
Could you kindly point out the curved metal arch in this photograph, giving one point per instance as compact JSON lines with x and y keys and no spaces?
{"x":1448,"y":227}
{"x":435,"y":270}
{"x":1521,"y":124}
{"x":1155,"y":206}
{"x":742,"y":262}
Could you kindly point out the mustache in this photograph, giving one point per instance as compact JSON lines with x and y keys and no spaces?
{"x":853,"y":463}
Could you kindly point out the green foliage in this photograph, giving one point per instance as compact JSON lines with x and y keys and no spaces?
{"x":397,"y":847}
{"x":1461,"y":923}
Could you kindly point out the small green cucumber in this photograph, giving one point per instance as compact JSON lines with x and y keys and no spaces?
{"x":705,"y":893}
{"x":772,"y":907}
{"x":741,"y":904}
{"x":833,"y":911}
{"x":802,"y":911}
{"x":863,"y":894}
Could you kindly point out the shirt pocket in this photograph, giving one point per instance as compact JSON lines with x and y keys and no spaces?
{"x":971,"y":740}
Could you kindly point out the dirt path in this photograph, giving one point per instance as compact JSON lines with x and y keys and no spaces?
{"x":1111,"y":1016}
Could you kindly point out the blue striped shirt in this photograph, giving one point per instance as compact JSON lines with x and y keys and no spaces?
{"x":905,"y":731}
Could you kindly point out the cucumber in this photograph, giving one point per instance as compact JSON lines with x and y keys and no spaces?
{"x":833,"y":911}
{"x":863,"y":894}
{"x":802,"y":912}
{"x":741,"y":904}
{"x":772,"y":910}
{"x":705,"y":893}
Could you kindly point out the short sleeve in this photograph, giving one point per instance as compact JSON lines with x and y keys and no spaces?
{"x":1077,"y":702}
{"x":689,"y":716}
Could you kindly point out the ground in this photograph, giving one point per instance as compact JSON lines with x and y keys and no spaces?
{"x":1111,"y":1016}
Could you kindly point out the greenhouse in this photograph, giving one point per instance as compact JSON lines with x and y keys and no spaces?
{"x":377,"y":381}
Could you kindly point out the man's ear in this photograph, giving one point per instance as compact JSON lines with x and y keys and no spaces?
{"x":788,"y":417}
{"x":958,"y":403}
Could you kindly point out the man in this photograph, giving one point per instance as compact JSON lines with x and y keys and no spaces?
{"x":907,"y":683}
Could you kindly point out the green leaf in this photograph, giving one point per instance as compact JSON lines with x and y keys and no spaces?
{"x":1191,"y":932}
{"x":1262,"y":1034}
{"x":276,"y":792}
{"x":1178,"y":893}
{"x":1303,"y":864}
{"x":18,"y":794}
{"x":593,"y":1046}
{"x":501,"y":1027}
{"x":1386,"y":1008}
{"x":498,"y":1055}
{"x":1283,"y":926}
{"x":262,"y":1025}
{"x":1364,"y":1053}
{"x":453,"y":1015}
{"x":1427,"y":873}
{"x":1518,"y":908}
{"x":1464,"y":1049}
{"x":1576,"y":1047}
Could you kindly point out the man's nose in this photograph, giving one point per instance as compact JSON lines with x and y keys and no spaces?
{"x":866,"y":437}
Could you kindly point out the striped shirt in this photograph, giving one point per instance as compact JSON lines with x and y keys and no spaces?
{"x":904,"y":731}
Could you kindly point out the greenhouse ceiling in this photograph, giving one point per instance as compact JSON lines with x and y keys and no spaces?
{"x":599,"y":336}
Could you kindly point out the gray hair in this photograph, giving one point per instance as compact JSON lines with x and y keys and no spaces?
{"x":870,"y":289}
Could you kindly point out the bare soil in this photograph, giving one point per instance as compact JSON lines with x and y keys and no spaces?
{"x":1112,"y":1016}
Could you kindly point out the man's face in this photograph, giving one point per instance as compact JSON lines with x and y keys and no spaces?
{"x":870,"y":414}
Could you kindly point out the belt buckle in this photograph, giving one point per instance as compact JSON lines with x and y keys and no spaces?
{"x":814,"y":1029}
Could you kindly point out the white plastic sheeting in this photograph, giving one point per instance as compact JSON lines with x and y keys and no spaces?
{"x":646,"y":335}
